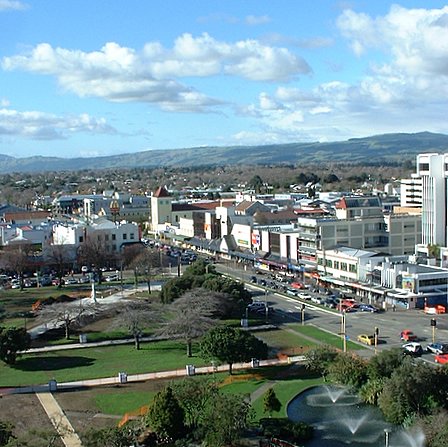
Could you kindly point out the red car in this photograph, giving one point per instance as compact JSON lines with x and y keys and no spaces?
{"x":441,"y":358}
{"x":408,"y":335}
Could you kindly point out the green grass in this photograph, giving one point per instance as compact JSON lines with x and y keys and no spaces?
{"x":91,"y":363}
{"x":285,"y":391}
{"x":323,"y":336}
{"x":284,"y":340}
{"x":121,"y":403}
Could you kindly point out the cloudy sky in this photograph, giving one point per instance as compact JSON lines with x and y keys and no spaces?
{"x":103,"y":77}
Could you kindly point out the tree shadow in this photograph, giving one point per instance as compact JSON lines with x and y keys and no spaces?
{"x":52,"y":363}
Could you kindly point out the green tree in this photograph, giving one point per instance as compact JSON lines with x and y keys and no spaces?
{"x":370,"y":391}
{"x":195,"y":395}
{"x":271,"y":402}
{"x":13,"y":340}
{"x":230,"y":345}
{"x":435,"y":428}
{"x":226,"y":420}
{"x":319,"y":358}
{"x":349,"y":370}
{"x":384,"y":363}
{"x":166,"y":416}
{"x":410,"y":391}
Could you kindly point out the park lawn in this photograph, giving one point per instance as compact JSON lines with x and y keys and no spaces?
{"x":285,"y":391}
{"x":92,"y":363}
{"x":121,"y":403}
{"x":323,"y":336}
{"x":283,"y":340}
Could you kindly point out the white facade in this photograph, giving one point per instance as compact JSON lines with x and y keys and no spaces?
{"x":411,"y":191}
{"x":114,"y":236}
{"x":432,"y":168}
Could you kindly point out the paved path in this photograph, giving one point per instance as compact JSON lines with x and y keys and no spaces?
{"x":59,"y":420}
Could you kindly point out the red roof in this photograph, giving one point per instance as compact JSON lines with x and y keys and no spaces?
{"x":161,"y":192}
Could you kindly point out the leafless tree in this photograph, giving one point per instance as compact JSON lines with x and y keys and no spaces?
{"x":193,"y":315}
{"x":68,"y":315}
{"x":136,"y":316}
{"x":18,"y":259}
{"x":93,"y":252}
{"x":59,"y":258}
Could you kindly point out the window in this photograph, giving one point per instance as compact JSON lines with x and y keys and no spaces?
{"x":106,"y":237}
{"x":81,"y":239}
{"x":344,"y":266}
{"x":336,"y":265}
{"x":423,"y":166}
{"x":114,"y":237}
{"x":131,"y":236}
{"x":125,"y":236}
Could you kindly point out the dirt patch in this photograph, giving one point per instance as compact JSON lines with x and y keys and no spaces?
{"x":80,"y":408}
{"x":25,"y":412}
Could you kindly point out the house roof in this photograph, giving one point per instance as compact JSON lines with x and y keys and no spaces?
{"x":161,"y":191}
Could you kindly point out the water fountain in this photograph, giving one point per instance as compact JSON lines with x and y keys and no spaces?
{"x":340,"y":419}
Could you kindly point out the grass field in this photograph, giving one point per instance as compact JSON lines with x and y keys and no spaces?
{"x":90,"y":363}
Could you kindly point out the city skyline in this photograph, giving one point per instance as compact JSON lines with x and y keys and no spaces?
{"x":103,"y":78}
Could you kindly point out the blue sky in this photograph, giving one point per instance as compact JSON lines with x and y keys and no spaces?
{"x":104,"y":77}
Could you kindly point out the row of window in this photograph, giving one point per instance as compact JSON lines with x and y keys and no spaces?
{"x":338,"y":265}
{"x":113,"y":237}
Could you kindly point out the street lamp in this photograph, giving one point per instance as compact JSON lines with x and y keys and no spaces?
{"x":386,"y":437}
{"x":343,"y":331}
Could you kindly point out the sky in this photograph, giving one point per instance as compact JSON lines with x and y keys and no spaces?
{"x":82,"y":78}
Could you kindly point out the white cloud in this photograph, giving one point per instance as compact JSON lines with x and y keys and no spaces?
{"x":16,"y":5}
{"x":257,"y":20}
{"x":122,"y":74}
{"x":4,"y":102}
{"x":45,"y":126}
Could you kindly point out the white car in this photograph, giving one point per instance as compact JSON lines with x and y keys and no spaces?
{"x":304,"y":296}
{"x":256,"y":305}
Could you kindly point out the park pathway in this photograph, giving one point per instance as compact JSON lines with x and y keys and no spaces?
{"x":59,"y":420}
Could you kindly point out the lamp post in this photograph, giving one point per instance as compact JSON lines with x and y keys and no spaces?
{"x":386,"y":437}
{"x":343,"y":331}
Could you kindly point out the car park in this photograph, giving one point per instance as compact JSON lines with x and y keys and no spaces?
{"x":413,"y":349}
{"x":407,"y":335}
{"x":441,"y":358}
{"x":437,"y":348}
{"x":366,"y":339}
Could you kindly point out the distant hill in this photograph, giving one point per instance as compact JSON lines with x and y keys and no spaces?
{"x":388,"y":148}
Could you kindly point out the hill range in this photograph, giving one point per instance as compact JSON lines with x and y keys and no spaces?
{"x":379,"y":149}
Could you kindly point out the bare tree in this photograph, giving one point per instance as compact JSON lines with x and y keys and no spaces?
{"x":143,"y":261}
{"x":93,"y":252}
{"x":135,"y":317}
{"x":59,"y":258}
{"x":17,"y":258}
{"x":193,"y":315}
{"x":67,"y":315}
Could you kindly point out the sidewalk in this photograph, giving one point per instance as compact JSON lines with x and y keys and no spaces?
{"x":59,"y":420}
{"x":122,"y":377}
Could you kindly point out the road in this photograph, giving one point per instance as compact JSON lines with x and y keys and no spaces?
{"x":389,"y":323}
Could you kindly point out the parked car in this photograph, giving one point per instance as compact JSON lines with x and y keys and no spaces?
{"x":304,"y":296}
{"x":84,"y":280}
{"x":292,"y":292}
{"x":437,"y":348}
{"x":366,"y":339}
{"x":70,"y":281}
{"x":407,"y":335}
{"x":111,"y":278}
{"x":317,"y":300}
{"x":413,"y":348}
{"x":329,"y":302}
{"x":253,"y":279}
{"x":367,"y":308}
{"x":441,"y":358}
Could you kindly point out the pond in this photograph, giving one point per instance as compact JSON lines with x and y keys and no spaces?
{"x":340,"y":419}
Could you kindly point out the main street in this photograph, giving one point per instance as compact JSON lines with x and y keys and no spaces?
{"x":389,"y":323}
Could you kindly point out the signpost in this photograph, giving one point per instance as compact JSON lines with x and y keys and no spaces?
{"x":433,"y":325}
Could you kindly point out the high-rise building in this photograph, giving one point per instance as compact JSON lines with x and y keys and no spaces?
{"x":433,"y":170}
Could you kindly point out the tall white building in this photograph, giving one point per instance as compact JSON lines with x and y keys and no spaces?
{"x":433,"y":170}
